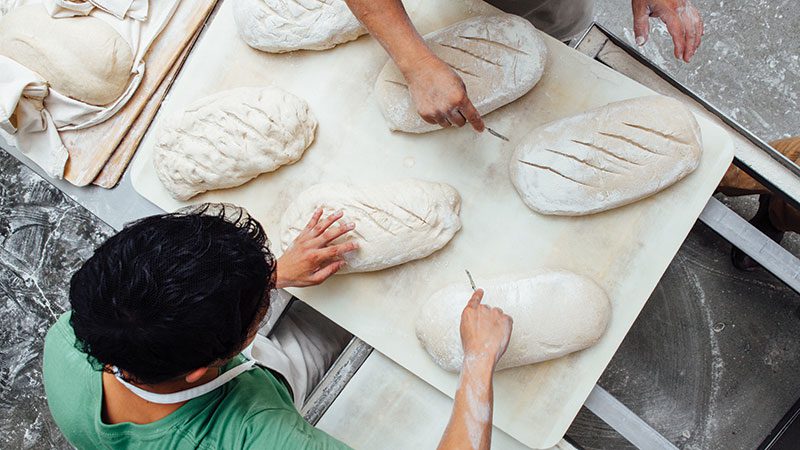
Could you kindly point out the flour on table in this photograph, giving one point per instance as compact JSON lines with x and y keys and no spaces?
{"x":395,"y":222}
{"x":555,"y":313}
{"x":228,"y":138}
{"x":607,"y":157}
{"x":80,"y":57}
{"x":499,"y":58}
{"x":278,"y":26}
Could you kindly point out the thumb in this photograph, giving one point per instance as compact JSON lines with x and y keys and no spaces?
{"x":641,"y":22}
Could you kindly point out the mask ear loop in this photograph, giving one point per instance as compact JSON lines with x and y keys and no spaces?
{"x":187,"y":394}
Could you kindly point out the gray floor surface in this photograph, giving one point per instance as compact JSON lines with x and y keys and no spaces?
{"x":711,"y":362}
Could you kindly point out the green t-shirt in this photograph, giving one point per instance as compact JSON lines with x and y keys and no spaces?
{"x":254,"y":410}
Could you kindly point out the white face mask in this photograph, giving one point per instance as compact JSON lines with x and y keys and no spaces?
{"x":197,"y":391}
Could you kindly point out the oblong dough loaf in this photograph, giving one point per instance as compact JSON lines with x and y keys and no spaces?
{"x":395,"y":222}
{"x":499,"y":57}
{"x":555,"y":312}
{"x":607,"y":157}
{"x":278,"y":26}
{"x":80,"y":57}
{"x":228,"y":138}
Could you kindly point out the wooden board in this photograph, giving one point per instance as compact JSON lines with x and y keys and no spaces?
{"x":90,"y":148}
{"x":625,"y":250}
{"x":113,"y":169}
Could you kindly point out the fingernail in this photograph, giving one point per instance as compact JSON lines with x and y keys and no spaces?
{"x":640,"y":40}
{"x":351,"y":226}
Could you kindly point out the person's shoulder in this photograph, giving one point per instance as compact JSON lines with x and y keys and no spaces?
{"x":71,"y":390}
{"x":61,"y":330}
{"x":285,"y":428}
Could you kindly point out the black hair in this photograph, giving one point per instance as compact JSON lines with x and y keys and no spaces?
{"x":172,"y":293}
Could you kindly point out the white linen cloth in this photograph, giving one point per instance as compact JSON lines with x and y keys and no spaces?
{"x":41,"y":111}
{"x":135,"y":9}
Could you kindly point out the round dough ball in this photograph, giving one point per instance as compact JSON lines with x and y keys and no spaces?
{"x":81,"y":57}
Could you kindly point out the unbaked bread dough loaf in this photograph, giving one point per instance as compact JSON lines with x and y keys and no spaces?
{"x":606,"y":157}
{"x":278,"y":26}
{"x":555,"y":312}
{"x":499,"y":58}
{"x":228,"y":138}
{"x":395,"y":222}
{"x":80,"y":57}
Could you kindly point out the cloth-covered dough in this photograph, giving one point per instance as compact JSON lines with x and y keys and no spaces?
{"x":555,"y":312}
{"x":607,"y":157}
{"x":278,"y":26}
{"x":395,"y":222}
{"x":81,"y":57}
{"x":231,"y":137}
{"x":499,"y":58}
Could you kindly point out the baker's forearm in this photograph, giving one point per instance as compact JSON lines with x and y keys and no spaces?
{"x":470,"y":425}
{"x":388,"y":22}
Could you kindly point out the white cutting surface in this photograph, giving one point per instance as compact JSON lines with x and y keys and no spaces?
{"x":625,"y":250}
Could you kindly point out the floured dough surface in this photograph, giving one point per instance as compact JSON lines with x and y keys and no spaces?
{"x":8,"y":5}
{"x":607,"y":157}
{"x":278,"y":26}
{"x":555,"y":313}
{"x":80,"y":57}
{"x":395,"y":223}
{"x":499,"y":58}
{"x":231,"y":137}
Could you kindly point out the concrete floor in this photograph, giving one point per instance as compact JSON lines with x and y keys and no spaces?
{"x":711,"y":362}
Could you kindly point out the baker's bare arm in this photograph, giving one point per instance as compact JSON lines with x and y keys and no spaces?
{"x":438,"y":92}
{"x":485,"y":332}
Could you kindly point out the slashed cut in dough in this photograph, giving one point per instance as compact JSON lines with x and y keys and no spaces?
{"x":279,"y":26}
{"x":81,"y":57}
{"x":555,"y":312}
{"x":228,"y":138}
{"x":607,"y":157}
{"x":395,"y":223}
{"x":499,"y":58}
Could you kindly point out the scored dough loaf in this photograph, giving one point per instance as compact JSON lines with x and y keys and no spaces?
{"x":279,"y":26}
{"x":607,"y":157}
{"x":228,"y":138}
{"x":499,"y":58}
{"x":395,"y":222}
{"x":555,"y":312}
{"x":81,"y":57}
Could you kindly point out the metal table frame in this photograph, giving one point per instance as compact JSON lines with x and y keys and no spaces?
{"x":122,"y":204}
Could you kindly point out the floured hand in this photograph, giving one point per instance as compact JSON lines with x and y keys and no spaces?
{"x":485,"y":331}
{"x":681,"y":17}
{"x":312,"y":257}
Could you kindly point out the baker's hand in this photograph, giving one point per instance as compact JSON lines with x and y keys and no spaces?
{"x":681,"y":17}
{"x":311,"y":258}
{"x":440,"y":95}
{"x":485,"y":331}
